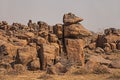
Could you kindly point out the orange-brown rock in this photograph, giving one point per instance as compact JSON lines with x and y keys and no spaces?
{"x":92,"y":46}
{"x":113,"y":46}
{"x":26,"y":55}
{"x":58,"y":30}
{"x":75,"y":31}
{"x":35,"y":64}
{"x":71,"y":19}
{"x":48,"y":54}
{"x":74,"y":48}
{"x":53,"y":38}
{"x":8,"y":49}
{"x":56,"y":69}
{"x":118,"y":45}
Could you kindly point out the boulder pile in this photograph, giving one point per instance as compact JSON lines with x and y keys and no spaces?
{"x":39,"y":46}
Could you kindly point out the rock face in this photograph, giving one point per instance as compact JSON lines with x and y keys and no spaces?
{"x":74,"y":48}
{"x":48,"y":54}
{"x":26,"y":55}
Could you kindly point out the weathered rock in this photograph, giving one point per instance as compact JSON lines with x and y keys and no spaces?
{"x":75,"y":31}
{"x":92,"y":46}
{"x":56,"y":69}
{"x":48,"y":54}
{"x":26,"y":55}
{"x":90,"y":65}
{"x":35,"y":64}
{"x":58,"y":30}
{"x":99,"y":59}
{"x":71,"y":19}
{"x":115,"y":64}
{"x":107,"y":47}
{"x":102,"y":69}
{"x":99,"y":50}
{"x":43,"y":34}
{"x":111,"y":31}
{"x":19,"y":69}
{"x":30,"y":34}
{"x":6,"y":66}
{"x":74,"y":48}
{"x":53,"y":38}
{"x":18,"y":42}
{"x":118,"y":45}
{"x":40,"y":40}
{"x":113,"y":46}
{"x":111,"y":38}
{"x":7,"y":49}
{"x":43,"y":26}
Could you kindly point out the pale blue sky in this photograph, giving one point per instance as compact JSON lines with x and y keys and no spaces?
{"x":97,"y":14}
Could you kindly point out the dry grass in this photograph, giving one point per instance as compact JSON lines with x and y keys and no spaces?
{"x":115,"y":76}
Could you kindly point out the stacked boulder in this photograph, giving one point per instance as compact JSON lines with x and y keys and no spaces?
{"x":109,"y":41}
{"x":73,"y":34}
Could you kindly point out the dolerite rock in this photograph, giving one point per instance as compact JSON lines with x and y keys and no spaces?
{"x":25,"y":55}
{"x":35,"y":64}
{"x":74,"y":49}
{"x":19,"y":69}
{"x":48,"y":54}
{"x":115,"y":64}
{"x":107,"y":47}
{"x":75,"y":31}
{"x":118,"y":45}
{"x":7,"y":48}
{"x":99,"y":59}
{"x":53,"y":38}
{"x":113,"y":46}
{"x":43,"y":26}
{"x":71,"y":19}
{"x":58,"y":30}
{"x":111,"y":38}
{"x":56,"y":69}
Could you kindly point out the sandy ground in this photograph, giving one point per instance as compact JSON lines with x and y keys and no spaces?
{"x":38,"y":75}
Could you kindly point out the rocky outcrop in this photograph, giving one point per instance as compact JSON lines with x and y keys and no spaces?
{"x":39,"y":46}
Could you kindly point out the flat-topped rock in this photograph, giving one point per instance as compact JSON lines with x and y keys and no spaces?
{"x":71,"y":19}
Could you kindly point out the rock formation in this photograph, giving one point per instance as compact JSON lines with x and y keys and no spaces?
{"x":39,"y":46}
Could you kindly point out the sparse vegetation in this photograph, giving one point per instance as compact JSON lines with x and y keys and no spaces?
{"x":115,"y":76}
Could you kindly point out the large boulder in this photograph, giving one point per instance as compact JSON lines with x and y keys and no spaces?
{"x":115,"y":64}
{"x":118,"y":45}
{"x":71,"y":19}
{"x":58,"y":30}
{"x":76,"y":31}
{"x":48,"y":54}
{"x":56,"y":69}
{"x":18,"y":42}
{"x":7,"y":48}
{"x":25,"y":55}
{"x":53,"y":38}
{"x":111,"y":38}
{"x":39,"y":40}
{"x":35,"y":64}
{"x":74,"y":49}
{"x":99,"y":59}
